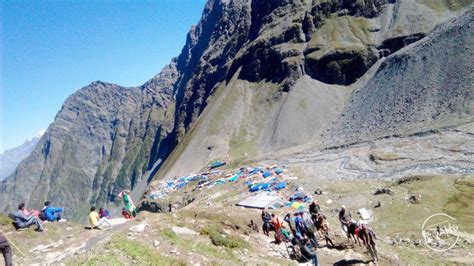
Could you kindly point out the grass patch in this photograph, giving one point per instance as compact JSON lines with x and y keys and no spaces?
{"x":214,"y":252}
{"x":461,"y":205}
{"x":218,"y":238}
{"x":169,"y":235}
{"x":102,"y":259}
{"x":5,"y":221}
{"x":140,"y":253}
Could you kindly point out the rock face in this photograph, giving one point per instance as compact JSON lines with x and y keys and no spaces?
{"x":426,"y":85}
{"x":253,"y":76}
{"x":12,"y":157}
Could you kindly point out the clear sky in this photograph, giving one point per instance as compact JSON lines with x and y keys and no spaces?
{"x":51,"y":48}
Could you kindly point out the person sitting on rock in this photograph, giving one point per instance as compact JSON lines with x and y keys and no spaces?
{"x":51,"y":213}
{"x":20,"y":220}
{"x":33,"y":212}
{"x":95,"y":221}
{"x":104,"y":213}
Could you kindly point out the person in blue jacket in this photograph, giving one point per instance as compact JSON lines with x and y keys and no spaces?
{"x":51,"y":213}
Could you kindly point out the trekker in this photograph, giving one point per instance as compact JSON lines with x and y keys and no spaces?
{"x":314,"y":209}
{"x":307,"y":251}
{"x":97,"y":222}
{"x":51,"y":213}
{"x":104,"y":213}
{"x":310,"y":229}
{"x":324,"y":229}
{"x":345,"y":218}
{"x":20,"y":220}
{"x":368,"y":238}
{"x":267,"y":222}
{"x":278,"y":223}
{"x":6,"y":250}
{"x":290,"y":220}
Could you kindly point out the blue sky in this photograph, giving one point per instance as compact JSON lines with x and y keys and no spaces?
{"x":51,"y":48}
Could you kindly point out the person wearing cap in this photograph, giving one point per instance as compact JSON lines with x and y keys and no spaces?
{"x":345,"y":218}
{"x":20,"y":220}
{"x":6,"y":250}
{"x":51,"y":213}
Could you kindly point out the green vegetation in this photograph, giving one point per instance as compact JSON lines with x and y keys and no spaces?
{"x":98,"y":259}
{"x":119,"y":246}
{"x":218,"y":238}
{"x":5,"y":220}
{"x":461,"y":205}
{"x":344,"y":33}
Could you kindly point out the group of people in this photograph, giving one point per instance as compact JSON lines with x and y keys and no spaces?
{"x":97,"y":220}
{"x":358,"y":231}
{"x":24,"y":218}
{"x":304,"y":229}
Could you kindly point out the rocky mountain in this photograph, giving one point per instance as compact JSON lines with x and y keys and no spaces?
{"x":10,"y":158}
{"x":257,"y":77}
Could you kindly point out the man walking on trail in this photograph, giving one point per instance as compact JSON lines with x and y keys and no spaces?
{"x":95,"y":221}
{"x":368,"y":238}
{"x":345,"y":218}
{"x":6,"y":250}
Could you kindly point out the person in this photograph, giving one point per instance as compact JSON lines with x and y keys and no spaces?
{"x":314,"y":209}
{"x":324,"y":229}
{"x":368,"y":238}
{"x":51,"y":213}
{"x":6,"y":250}
{"x":128,"y":202}
{"x":290,"y":220}
{"x":20,"y":220}
{"x":97,"y":222}
{"x":278,"y":223}
{"x":126,"y":214}
{"x":104,"y":213}
{"x":267,"y":222}
{"x":307,"y":251}
{"x":300,"y":229}
{"x":33,"y":212}
{"x":344,"y":218}
{"x":309,"y":228}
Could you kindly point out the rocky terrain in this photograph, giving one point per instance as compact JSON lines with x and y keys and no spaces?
{"x":10,"y":158}
{"x":341,"y":92}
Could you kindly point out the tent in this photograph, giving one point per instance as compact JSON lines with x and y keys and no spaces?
{"x":259,"y":201}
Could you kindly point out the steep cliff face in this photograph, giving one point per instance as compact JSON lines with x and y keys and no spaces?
{"x":102,"y":140}
{"x":253,"y":77}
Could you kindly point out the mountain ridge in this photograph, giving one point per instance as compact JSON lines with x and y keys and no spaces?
{"x":106,"y":137}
